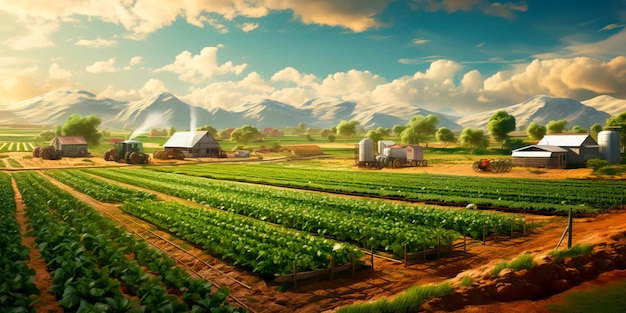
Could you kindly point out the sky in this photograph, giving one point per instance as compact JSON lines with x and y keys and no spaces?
{"x":449,"y":56}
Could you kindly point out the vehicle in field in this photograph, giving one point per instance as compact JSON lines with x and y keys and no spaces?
{"x":168,"y":154}
{"x":47,"y":153}
{"x":495,"y":166}
{"x":128,"y":151}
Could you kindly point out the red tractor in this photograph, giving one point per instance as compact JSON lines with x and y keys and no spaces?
{"x":495,"y":166}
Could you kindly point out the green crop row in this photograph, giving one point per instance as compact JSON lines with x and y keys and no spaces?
{"x":266,"y":248}
{"x":370,"y":223}
{"x":17,"y":280}
{"x":90,"y":259}
{"x":97,"y":188}
{"x":528,"y":194}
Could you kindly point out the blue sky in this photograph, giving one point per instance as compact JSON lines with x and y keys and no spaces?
{"x":451,"y":56}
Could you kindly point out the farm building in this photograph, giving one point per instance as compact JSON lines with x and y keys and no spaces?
{"x":540,"y":156}
{"x":580,"y":147}
{"x":72,"y":146}
{"x":557,"y":151}
{"x":196,"y":144}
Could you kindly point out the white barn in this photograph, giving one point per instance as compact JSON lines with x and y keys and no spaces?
{"x":195,"y":144}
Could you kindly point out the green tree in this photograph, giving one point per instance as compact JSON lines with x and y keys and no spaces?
{"x":246,"y":134}
{"x":596,"y":128}
{"x":301,"y":127}
{"x":536,"y":131}
{"x":385,"y":132}
{"x":419,"y":129}
{"x":619,"y":123}
{"x":331,"y":138}
{"x":375,"y":135}
{"x":46,"y":135}
{"x":222,"y":134}
{"x":325,"y":132}
{"x":445,"y":136}
{"x":87,"y":126}
{"x":347,"y":129}
{"x":500,"y":125}
{"x":398,"y":129}
{"x":556,"y":127}
{"x":212,"y":130}
{"x":473,"y":138}
{"x":578,"y":130}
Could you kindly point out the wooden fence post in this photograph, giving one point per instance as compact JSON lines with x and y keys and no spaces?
{"x":372,"y":257}
{"x":295,"y":274}
{"x":352,"y":261}
{"x":464,"y":244}
{"x":332,"y":267}
{"x":495,"y":232}
{"x":484,"y":233}
{"x":405,"y":257}
{"x":438,"y":245}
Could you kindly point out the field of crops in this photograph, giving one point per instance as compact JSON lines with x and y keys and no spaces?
{"x":16,"y":147}
{"x":99,"y":267}
{"x":527,"y":194}
{"x":368,"y":223}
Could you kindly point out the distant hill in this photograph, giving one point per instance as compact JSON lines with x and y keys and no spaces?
{"x":542,"y":109}
{"x":166,"y":109}
{"x":607,"y":104}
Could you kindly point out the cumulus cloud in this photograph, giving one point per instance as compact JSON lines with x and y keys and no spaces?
{"x":134,"y":61}
{"x":151,"y":87}
{"x":102,"y":66}
{"x":31,"y":82}
{"x":96,"y":43}
{"x":500,"y":9}
{"x":290,"y":74}
{"x":349,"y":83}
{"x":197,"y":68}
{"x":248,"y":27}
{"x":37,"y":35}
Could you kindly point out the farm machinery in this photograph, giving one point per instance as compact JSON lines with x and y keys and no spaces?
{"x":129,"y":151}
{"x":47,"y":153}
{"x":169,"y":154}
{"x":391,"y":155}
{"x":495,"y":166}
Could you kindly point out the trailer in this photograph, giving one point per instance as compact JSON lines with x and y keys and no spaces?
{"x":402,"y":156}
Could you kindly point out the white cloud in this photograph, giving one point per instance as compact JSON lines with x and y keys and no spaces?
{"x":419,"y":41}
{"x":134,"y":61}
{"x":37,"y":35}
{"x":345,"y":84}
{"x":611,"y":46}
{"x":151,"y":87}
{"x":611,"y":27}
{"x":31,"y":82}
{"x":505,"y":10}
{"x":102,"y":66}
{"x":55,"y":72}
{"x":248,"y":27}
{"x":408,"y":61}
{"x":96,"y":43}
{"x":197,"y":68}
{"x":290,"y":74}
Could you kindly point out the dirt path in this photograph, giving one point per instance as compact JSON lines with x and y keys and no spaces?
{"x":46,"y":302}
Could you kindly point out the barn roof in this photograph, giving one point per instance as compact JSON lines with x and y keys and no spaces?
{"x":537,"y":151}
{"x":566,"y":140}
{"x":187,"y":139}
{"x":71,"y":140}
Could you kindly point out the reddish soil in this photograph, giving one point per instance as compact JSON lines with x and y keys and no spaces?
{"x":390,"y":278}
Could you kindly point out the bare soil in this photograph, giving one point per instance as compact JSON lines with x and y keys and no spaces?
{"x":390,"y":278}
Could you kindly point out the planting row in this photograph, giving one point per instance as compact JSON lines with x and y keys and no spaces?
{"x":17,"y":280}
{"x":97,"y":188}
{"x":528,"y":194}
{"x":370,"y":223}
{"x":98,"y":267}
{"x":16,"y":146}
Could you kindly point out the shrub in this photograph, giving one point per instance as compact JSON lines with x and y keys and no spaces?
{"x":597,"y":164}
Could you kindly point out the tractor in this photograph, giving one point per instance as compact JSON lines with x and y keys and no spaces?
{"x":129,"y":151}
{"x":169,"y":154}
{"x":495,"y":166}
{"x":47,"y":153}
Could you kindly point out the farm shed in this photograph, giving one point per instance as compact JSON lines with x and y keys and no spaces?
{"x":580,"y":147}
{"x":196,"y":144}
{"x":304,"y":150}
{"x":72,"y":146}
{"x":540,"y":156}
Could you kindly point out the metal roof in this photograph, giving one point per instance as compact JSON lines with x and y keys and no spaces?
{"x":565,"y":140}
{"x":71,"y":140}
{"x":187,"y":139}
{"x":532,"y":154}
{"x":537,"y":151}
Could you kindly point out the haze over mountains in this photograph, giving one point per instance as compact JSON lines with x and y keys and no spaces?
{"x":166,"y":109}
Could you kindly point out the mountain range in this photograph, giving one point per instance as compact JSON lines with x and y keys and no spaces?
{"x":165,"y":109}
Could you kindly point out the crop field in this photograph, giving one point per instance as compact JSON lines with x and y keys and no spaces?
{"x":267,"y":221}
{"x":548,"y":196}
{"x":16,"y":146}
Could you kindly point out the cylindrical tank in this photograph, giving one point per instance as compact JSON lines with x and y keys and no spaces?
{"x":609,"y":143}
{"x":382,"y":144}
{"x":366,"y":150}
{"x":415,"y":153}
{"x":396,"y":153}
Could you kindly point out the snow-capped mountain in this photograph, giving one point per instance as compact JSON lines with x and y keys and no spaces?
{"x":55,"y":107}
{"x":607,"y":104}
{"x":165,"y":109}
{"x":542,"y":109}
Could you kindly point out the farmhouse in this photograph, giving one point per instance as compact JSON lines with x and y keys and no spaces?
{"x":72,"y":146}
{"x":580,"y":147}
{"x":196,"y":144}
{"x":540,"y":156}
{"x":557,"y":151}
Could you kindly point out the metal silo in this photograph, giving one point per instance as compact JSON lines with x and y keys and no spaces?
{"x":609,"y":143}
{"x":366,"y":150}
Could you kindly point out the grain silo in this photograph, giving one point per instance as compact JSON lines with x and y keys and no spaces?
{"x":609,"y":143}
